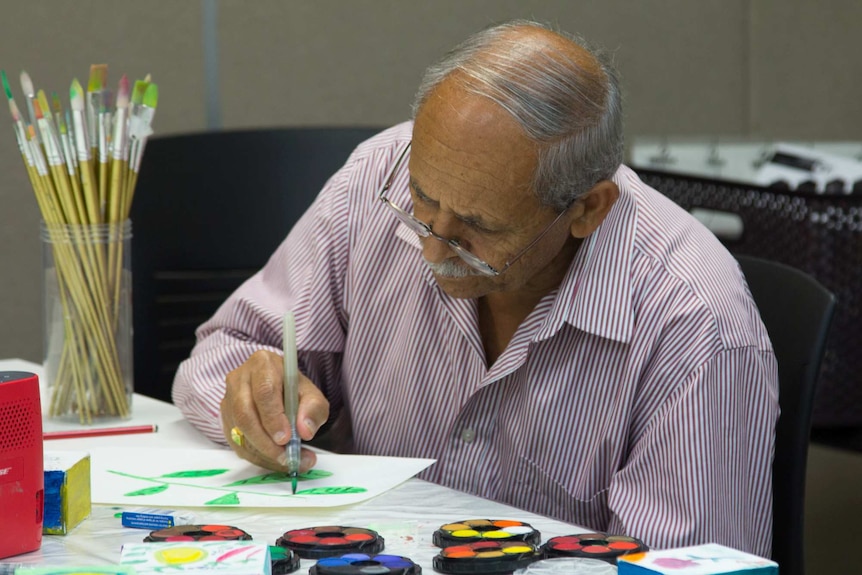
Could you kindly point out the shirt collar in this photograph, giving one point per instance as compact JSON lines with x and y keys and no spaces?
{"x":595,"y":296}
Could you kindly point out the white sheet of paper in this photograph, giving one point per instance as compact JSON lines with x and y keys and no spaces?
{"x":218,"y":478}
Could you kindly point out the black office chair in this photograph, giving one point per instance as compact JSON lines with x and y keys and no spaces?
{"x":797,"y":311}
{"x":208,"y":211}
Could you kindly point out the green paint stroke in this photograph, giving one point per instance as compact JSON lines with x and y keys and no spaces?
{"x":148,"y":490}
{"x":232,"y":498}
{"x":196,"y":473}
{"x":229,"y":499}
{"x":334,"y":490}
{"x":280,"y":477}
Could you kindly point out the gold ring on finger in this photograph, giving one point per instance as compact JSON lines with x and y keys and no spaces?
{"x":237,"y":436}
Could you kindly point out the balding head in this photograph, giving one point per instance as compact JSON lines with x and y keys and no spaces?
{"x":563,"y":95}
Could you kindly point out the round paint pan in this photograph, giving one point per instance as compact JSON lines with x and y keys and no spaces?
{"x":197,"y":533}
{"x":474,"y":530}
{"x":364,"y":564}
{"x":330,"y":541}
{"x":283,"y":560}
{"x":593,"y":546}
{"x":485,"y":557}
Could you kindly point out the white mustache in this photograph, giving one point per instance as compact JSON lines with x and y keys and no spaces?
{"x":451,"y":268}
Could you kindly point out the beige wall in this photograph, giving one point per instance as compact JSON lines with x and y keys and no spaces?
{"x":768,"y":68}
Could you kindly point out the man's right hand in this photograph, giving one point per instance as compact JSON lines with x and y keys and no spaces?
{"x":253,"y":404}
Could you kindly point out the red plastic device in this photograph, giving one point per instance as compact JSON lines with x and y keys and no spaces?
{"x":21,"y":463}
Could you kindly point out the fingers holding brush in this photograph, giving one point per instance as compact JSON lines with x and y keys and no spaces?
{"x":251,"y":406}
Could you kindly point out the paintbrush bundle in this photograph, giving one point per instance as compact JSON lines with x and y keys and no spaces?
{"x":83,"y":162}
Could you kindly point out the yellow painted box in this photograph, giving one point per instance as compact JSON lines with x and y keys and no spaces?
{"x":67,"y":491}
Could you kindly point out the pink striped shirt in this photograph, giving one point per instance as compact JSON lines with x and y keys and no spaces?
{"x":639,"y":397}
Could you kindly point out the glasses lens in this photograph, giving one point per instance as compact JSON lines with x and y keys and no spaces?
{"x":473,"y":261}
{"x":409,"y":220}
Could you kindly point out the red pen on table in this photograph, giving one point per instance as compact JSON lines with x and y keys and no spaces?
{"x":98,"y":431}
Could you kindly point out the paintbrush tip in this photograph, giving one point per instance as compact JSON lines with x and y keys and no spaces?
{"x":138,"y":91}
{"x":13,"y":109}
{"x":123,"y":93}
{"x":37,"y":109}
{"x":98,"y":77}
{"x":26,"y":83}
{"x":42,"y":99}
{"x":6,"y":87}
{"x":293,"y":483}
{"x":151,"y":96}
{"x":76,"y":96}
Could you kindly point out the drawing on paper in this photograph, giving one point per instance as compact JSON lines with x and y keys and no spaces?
{"x":217,"y":477}
{"x":232,"y":493}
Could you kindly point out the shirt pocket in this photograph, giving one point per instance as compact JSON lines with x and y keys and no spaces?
{"x":530,"y":486}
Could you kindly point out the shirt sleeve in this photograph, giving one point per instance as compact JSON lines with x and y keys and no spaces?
{"x":305,"y":274}
{"x":673,"y":493}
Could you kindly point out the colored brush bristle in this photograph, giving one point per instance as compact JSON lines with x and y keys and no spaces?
{"x":42,"y":99}
{"x":138,"y":91}
{"x":76,"y":96}
{"x":107,"y":100}
{"x":148,"y":78}
{"x":27,"y":84}
{"x":98,"y":77}
{"x":31,"y":132}
{"x":43,"y":102}
{"x":151,"y":96}
{"x":123,"y":93}
{"x":6,"y":87}
{"x":37,"y":109}
{"x":57,"y":107}
{"x":16,"y":115}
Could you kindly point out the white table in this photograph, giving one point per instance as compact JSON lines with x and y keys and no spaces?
{"x":406,"y":517}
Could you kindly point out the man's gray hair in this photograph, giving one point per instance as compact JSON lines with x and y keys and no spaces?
{"x":573,"y":114}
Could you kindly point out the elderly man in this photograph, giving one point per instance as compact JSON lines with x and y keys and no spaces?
{"x":488,"y":286}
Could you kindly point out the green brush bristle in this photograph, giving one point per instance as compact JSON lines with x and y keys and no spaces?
{"x":6,"y":84}
{"x":138,"y":91}
{"x":151,"y":96}
{"x":98,"y":77}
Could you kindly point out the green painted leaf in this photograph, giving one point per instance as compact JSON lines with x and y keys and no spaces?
{"x":196,"y":473}
{"x":229,"y":499}
{"x":331,"y":490}
{"x":280,"y":477}
{"x":147,"y":491}
{"x":277,"y":477}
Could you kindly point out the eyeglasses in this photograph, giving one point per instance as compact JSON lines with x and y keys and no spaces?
{"x":424,"y":231}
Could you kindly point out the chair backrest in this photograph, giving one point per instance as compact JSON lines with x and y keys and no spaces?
{"x":797,"y":311}
{"x":209,"y":209}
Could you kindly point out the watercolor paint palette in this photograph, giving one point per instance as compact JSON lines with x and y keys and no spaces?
{"x":197,"y":533}
{"x":363,"y":564}
{"x":284,"y":561}
{"x":482,"y":557}
{"x":474,"y":530}
{"x":330,"y":541}
{"x":593,"y":546}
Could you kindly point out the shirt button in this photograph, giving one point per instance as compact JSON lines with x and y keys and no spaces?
{"x":468,"y":435}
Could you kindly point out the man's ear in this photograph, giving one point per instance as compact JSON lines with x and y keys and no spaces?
{"x":593,"y":207}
